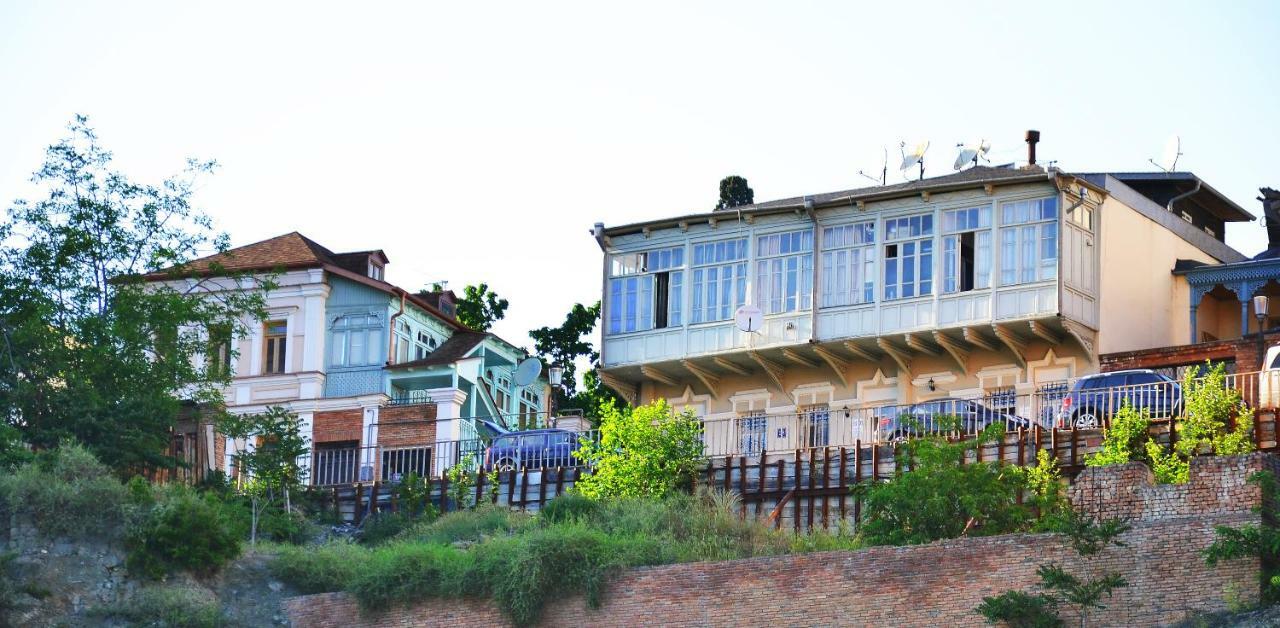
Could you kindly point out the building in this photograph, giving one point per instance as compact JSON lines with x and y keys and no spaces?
{"x":385,"y":381}
{"x":995,"y":282}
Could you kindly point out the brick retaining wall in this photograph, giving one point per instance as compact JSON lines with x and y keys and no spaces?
{"x":930,"y":585}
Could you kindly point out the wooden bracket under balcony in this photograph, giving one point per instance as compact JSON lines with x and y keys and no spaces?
{"x":900,"y":356}
{"x":861,"y":352}
{"x":771,"y":368}
{"x":836,"y":362}
{"x":1082,"y":334}
{"x":975,"y":338}
{"x":795,"y":356}
{"x":918,"y":343}
{"x":954,"y":349}
{"x":708,"y":379}
{"x":731,"y":366}
{"x":1042,"y":331}
{"x":1016,"y":343}
{"x":658,"y":376}
{"x":629,"y":392}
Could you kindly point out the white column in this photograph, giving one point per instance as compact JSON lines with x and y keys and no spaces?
{"x":448,"y":425}
{"x":308,"y":432}
{"x":369,"y":441}
{"x":313,"y":341}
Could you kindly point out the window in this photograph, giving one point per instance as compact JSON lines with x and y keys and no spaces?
{"x":403,"y":341}
{"x":784,"y":272}
{"x":816,"y":422}
{"x":719,"y":280}
{"x":1028,"y":241}
{"x":354,"y":340}
{"x":751,"y":434}
{"x":645,"y":290}
{"x":276,"y":333}
{"x":529,"y":404}
{"x":966,"y":249}
{"x":500,"y":388}
{"x":375,"y":270}
{"x":426,"y":343}
{"x":908,"y":257}
{"x":218,"y":350}
{"x":848,"y":264}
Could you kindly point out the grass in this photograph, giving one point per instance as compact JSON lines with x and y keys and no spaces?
{"x":520,"y":560}
{"x":165,"y":607}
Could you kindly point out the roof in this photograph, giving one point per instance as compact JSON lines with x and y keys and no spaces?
{"x":1161,"y":187}
{"x":291,"y":250}
{"x":455,"y":348}
{"x":969,"y":178}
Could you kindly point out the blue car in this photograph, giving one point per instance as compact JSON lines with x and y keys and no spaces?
{"x":532,"y":449}
{"x":897,"y":422}
{"x":1094,"y":399}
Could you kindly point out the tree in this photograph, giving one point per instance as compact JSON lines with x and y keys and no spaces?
{"x":268,"y":470}
{"x":563,"y":345}
{"x":478,"y":308}
{"x":734,"y":191}
{"x":649,"y":451}
{"x":91,"y":350}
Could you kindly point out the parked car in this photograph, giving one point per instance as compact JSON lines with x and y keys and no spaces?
{"x":533,"y":449}
{"x":1094,"y":399}
{"x":922,"y":418}
{"x":1269,"y":379}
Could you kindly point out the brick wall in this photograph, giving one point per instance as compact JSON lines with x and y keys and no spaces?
{"x":407,"y":426}
{"x":1242,"y":351}
{"x":929,"y":585}
{"x":337,"y":425}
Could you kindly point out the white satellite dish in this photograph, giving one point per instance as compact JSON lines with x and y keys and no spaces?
{"x":528,"y":371}
{"x":971,"y":153}
{"x":913,"y":158}
{"x":749,"y":318}
{"x":1169,"y":157}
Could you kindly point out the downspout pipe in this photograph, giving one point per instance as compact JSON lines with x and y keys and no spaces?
{"x":817,"y":277}
{"x":1169,"y":205}
{"x":391,"y":339}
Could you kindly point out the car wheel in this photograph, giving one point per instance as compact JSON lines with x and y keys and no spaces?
{"x":506,"y":464}
{"x":1085,"y":419}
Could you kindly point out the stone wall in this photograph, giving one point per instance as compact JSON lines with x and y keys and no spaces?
{"x":929,"y":585}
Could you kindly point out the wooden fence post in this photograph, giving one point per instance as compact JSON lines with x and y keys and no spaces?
{"x":857,"y":480}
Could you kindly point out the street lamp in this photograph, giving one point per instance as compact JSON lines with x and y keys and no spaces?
{"x":555,"y":376}
{"x":1260,"y":306}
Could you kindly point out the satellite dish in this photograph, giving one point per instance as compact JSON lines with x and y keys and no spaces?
{"x":971,"y":153}
{"x":1169,"y":157}
{"x":749,"y":318}
{"x":528,"y":371}
{"x":913,"y":158}
{"x":884,"y":170}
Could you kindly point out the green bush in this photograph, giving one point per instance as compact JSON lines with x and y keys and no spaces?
{"x":165,"y":607}
{"x":648,"y":451}
{"x":942,"y":496}
{"x":569,"y":507}
{"x":319,"y":569}
{"x":384,"y":526}
{"x":469,"y":525}
{"x":184,"y":531}
{"x":399,"y":573}
{"x":66,"y":492}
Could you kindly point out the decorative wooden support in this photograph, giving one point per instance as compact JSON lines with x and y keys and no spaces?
{"x":918,"y":343}
{"x":837,"y":363}
{"x":924,"y":196}
{"x":684,"y":226}
{"x":629,"y":392}
{"x":989,"y":188}
{"x":658,"y":376}
{"x":1043,"y":332}
{"x":858,"y":351}
{"x":802,"y":360}
{"x":1013,"y":341}
{"x":954,"y":349}
{"x":731,"y":366}
{"x":1082,"y":335}
{"x":901,"y":357}
{"x":708,"y":379}
{"x":975,"y":338}
{"x":771,"y":368}
{"x":862,"y":205}
{"x":647,"y":232}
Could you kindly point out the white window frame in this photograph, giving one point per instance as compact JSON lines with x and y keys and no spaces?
{"x":907,"y":233}
{"x":631,"y":298}
{"x":717,"y":269}
{"x":346,"y":331}
{"x":955,"y":223}
{"x":849,"y":264}
{"x":1028,"y":230}
{"x":779,"y":257}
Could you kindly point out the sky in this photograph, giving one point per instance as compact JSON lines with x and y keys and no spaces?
{"x":480,"y":141}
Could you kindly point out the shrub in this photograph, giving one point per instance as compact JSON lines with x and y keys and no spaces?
{"x":1126,"y":439}
{"x":648,"y":451}
{"x":383,"y":526}
{"x":13,"y":451}
{"x":183,"y":532}
{"x":1048,"y":494}
{"x":569,"y":507}
{"x":66,"y":492}
{"x":319,"y":569}
{"x":942,"y":497}
{"x":166,"y":607}
{"x":405,"y":572}
{"x":469,"y":525}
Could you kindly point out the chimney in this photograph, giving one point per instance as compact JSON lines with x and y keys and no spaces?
{"x":1033,"y":136}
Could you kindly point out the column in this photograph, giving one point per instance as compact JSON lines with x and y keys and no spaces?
{"x":1195,"y":307}
{"x":369,"y":444}
{"x":448,"y":425}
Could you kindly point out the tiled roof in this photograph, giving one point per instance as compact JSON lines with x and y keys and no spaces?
{"x":291,"y":250}
{"x":455,"y":348}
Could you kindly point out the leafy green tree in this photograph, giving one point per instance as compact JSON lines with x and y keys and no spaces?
{"x":479,"y":308}
{"x":734,"y":191}
{"x":268,"y":470}
{"x":1125,"y":440}
{"x":91,"y":350}
{"x":942,"y":496}
{"x":649,"y":451}
{"x":563,"y":345}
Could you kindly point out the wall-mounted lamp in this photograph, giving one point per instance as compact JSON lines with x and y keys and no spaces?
{"x":932,"y":386}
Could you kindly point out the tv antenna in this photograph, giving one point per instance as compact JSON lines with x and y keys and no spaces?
{"x":913,"y":158}
{"x":884,"y":170}
{"x":1169,"y":158}
{"x":971,"y":153}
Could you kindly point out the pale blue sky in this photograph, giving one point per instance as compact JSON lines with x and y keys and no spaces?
{"x":480,"y":141}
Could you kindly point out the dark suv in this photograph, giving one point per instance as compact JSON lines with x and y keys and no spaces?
{"x":922,"y":418}
{"x":533,"y":449}
{"x":1094,"y":399}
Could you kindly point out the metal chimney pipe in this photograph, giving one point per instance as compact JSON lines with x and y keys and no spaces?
{"x":1033,"y":136}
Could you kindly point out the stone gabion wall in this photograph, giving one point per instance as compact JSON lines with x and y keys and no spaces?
{"x":928,"y":585}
